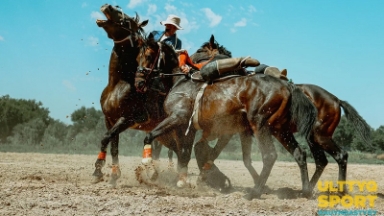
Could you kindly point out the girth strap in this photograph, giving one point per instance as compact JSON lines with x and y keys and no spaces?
{"x":195,"y":114}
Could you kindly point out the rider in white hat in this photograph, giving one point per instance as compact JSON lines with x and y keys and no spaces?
{"x":172,"y":24}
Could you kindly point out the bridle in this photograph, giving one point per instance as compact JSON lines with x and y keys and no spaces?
{"x":123,"y":25}
{"x":146,"y":72}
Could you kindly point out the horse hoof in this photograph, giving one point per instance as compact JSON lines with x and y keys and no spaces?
{"x":181,"y":183}
{"x":307,"y":195}
{"x":248,"y":197}
{"x":97,"y":179}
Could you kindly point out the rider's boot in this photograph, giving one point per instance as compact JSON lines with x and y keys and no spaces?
{"x":216,"y":68}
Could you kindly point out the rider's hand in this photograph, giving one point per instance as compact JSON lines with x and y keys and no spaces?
{"x":185,"y":68}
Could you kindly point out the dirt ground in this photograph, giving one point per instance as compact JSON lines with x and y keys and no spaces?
{"x":50,"y":184}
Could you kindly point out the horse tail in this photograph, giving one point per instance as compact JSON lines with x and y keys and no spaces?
{"x":303,"y":112}
{"x":363,"y":129}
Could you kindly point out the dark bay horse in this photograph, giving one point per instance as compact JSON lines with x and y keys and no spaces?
{"x":328,"y":117}
{"x":261,"y":105}
{"x":122,"y":105}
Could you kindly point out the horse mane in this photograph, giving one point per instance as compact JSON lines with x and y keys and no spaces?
{"x":137,"y":20}
{"x":222,"y":49}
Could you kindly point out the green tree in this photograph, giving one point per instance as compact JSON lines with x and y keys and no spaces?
{"x":85,"y":119}
{"x":28,"y":133}
{"x":378,"y":138}
{"x":18,"y":111}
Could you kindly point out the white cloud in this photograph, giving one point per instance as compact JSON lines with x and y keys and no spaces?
{"x":69,"y":85}
{"x":241,"y":23}
{"x":1,"y":38}
{"x":92,"y":41}
{"x":187,"y":25}
{"x":97,"y":15}
{"x":233,"y":30}
{"x":213,"y":18}
{"x":170,"y":8}
{"x":134,"y":3}
{"x":252,"y":9}
{"x":84,"y":5}
{"x":151,"y":9}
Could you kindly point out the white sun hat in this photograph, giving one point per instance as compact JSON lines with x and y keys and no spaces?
{"x":173,"y":20}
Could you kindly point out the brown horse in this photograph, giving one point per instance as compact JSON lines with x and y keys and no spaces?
{"x":328,"y":117}
{"x":123,"y":106}
{"x":261,"y":105}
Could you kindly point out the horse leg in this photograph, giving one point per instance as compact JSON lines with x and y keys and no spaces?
{"x":111,"y":133}
{"x":116,"y":173}
{"x":184,"y":149}
{"x":202,"y":152}
{"x":289,"y":142}
{"x":156,"y":149}
{"x":269,"y":156}
{"x":170,"y":156}
{"x":321,"y":161}
{"x":170,"y":123}
{"x":340,"y":156}
{"x":246,"y":147}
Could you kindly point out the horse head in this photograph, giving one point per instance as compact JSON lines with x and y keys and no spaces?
{"x":126,"y":32}
{"x":156,"y":61}
{"x":210,"y":50}
{"x":119,"y":26}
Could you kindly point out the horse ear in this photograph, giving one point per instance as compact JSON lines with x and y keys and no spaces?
{"x":212,"y":40}
{"x":144,"y":23}
{"x":284,"y":72}
{"x":151,"y":37}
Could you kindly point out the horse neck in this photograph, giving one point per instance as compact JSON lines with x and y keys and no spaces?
{"x":122,"y":64}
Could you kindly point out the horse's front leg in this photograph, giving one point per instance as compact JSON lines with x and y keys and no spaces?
{"x":165,"y":127}
{"x":109,"y":136}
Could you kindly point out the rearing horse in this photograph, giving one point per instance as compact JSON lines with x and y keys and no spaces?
{"x":328,"y":117}
{"x":122,"y":105}
{"x":259,"y":105}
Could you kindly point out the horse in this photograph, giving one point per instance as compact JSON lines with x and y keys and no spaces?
{"x":328,"y":117}
{"x":123,"y":106}
{"x":260,"y":105}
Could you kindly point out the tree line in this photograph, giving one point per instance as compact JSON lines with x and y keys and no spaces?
{"x":25,"y":125}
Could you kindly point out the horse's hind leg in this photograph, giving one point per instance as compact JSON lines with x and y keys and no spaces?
{"x":205,"y":155}
{"x":321,"y":162}
{"x":184,"y":145}
{"x":246,"y":147}
{"x":289,"y":142}
{"x":269,"y":156}
{"x":156,"y":149}
{"x":340,"y":156}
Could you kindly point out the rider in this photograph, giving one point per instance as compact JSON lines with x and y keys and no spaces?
{"x":172,"y":24}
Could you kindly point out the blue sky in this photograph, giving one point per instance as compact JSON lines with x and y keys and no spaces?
{"x":52,"y":51}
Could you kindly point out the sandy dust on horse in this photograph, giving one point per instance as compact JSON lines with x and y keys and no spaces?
{"x":53,"y":184}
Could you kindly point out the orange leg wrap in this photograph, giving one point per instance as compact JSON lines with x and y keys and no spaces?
{"x":147,"y":152}
{"x":207,"y":166}
{"x":102,"y":155}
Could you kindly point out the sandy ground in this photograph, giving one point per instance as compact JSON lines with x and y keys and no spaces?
{"x":48,"y":184}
